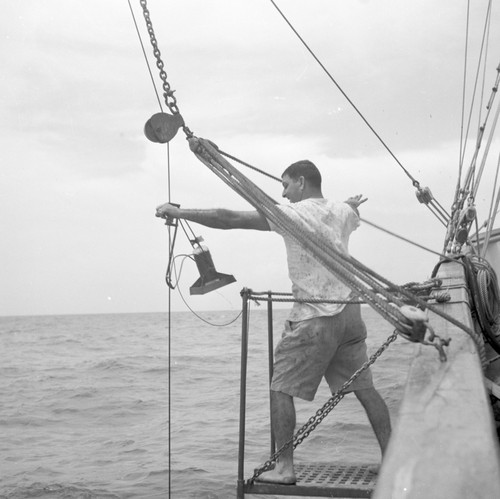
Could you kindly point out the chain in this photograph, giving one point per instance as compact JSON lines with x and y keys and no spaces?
{"x":168,"y":93}
{"x":321,"y":413}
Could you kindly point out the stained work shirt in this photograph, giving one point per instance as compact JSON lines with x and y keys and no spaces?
{"x":333,"y":222}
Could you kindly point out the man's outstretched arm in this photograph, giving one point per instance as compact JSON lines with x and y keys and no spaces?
{"x":218,"y":218}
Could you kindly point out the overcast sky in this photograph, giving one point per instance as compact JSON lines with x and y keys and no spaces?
{"x":80,"y":182}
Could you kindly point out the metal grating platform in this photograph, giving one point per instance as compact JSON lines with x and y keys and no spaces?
{"x":322,"y":480}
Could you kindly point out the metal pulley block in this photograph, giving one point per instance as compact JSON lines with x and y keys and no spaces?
{"x":162,"y":127}
{"x":417,"y":327}
{"x":417,"y":322}
{"x":424,"y":195}
{"x":461,"y":235}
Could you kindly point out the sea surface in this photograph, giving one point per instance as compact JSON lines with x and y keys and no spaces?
{"x":147,"y":405}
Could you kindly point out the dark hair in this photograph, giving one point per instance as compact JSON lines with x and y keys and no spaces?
{"x":306,"y":169}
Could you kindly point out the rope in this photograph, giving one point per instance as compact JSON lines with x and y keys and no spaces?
{"x":442,"y":215}
{"x":434,"y":206}
{"x":417,"y":288}
{"x":471,"y":171}
{"x":345,"y":270}
{"x":306,"y":429}
{"x":287,"y":297}
{"x":362,"y":280}
{"x":262,"y":172}
{"x":485,"y":296}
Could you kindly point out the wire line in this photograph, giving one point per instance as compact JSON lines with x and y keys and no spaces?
{"x":414,"y":181}
{"x":397,"y":236}
{"x":145,"y":56}
{"x":169,"y":293}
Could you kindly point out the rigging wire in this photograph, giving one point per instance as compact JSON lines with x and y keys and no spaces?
{"x":463,"y":207}
{"x":493,"y":213}
{"x":487,"y":39}
{"x":362,"y":280}
{"x":438,"y":210}
{"x":487,"y":149}
{"x":414,"y":181}
{"x":397,"y":236}
{"x":170,"y":246}
{"x":173,"y":108}
{"x":474,"y":92}
{"x":169,"y":292}
{"x":464,"y":84}
{"x":145,"y":56}
{"x":434,"y":206}
{"x":387,"y":231}
{"x":248,"y":165}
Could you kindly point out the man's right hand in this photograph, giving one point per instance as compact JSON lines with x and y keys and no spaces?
{"x":167,"y":210}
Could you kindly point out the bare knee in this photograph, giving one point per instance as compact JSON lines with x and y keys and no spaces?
{"x":281,"y":397}
{"x":367,"y":395}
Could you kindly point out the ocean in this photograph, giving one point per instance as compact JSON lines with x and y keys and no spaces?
{"x":85,"y":402}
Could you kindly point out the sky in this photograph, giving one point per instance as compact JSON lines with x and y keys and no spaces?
{"x":79,"y":181}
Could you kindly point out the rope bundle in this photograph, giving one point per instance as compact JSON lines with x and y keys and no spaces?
{"x":366,"y":284}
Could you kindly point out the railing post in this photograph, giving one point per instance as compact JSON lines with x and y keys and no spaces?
{"x":270,"y":346}
{"x":243,"y":384}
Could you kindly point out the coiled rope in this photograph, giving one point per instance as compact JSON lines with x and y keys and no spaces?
{"x":485,"y":294}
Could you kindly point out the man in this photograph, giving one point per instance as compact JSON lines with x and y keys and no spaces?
{"x":320,"y":339}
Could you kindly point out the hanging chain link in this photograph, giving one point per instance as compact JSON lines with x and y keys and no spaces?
{"x":168,"y":93}
{"x":321,"y":413}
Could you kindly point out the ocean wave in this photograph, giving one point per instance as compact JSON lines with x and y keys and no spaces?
{"x":95,"y":411}
{"x":58,"y":491}
{"x":140,"y":362}
{"x":36,"y":421}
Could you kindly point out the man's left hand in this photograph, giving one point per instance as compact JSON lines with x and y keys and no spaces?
{"x":355,"y":201}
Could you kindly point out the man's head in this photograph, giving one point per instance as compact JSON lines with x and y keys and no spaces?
{"x":301,"y":180}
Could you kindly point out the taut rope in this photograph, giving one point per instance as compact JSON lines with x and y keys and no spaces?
{"x":366,"y":284}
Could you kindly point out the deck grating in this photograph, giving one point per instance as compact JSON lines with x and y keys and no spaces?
{"x":323,"y":480}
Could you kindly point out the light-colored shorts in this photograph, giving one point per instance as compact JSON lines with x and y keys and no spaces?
{"x":333,"y":347}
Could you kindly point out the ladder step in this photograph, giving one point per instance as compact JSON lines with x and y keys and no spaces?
{"x":322,"y":480}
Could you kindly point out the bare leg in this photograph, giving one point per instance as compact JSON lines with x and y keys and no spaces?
{"x":283,"y":424}
{"x":378,"y":415}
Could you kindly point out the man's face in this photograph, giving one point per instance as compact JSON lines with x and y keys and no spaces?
{"x":292,"y":188}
